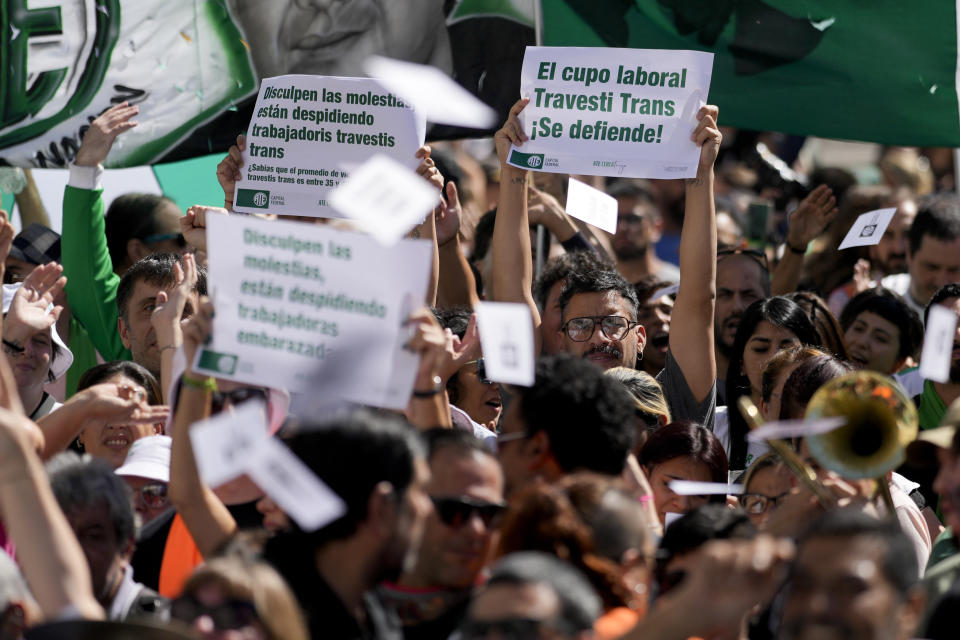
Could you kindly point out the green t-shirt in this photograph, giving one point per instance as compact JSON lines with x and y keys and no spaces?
{"x":931,"y":406}
{"x":943,"y":547}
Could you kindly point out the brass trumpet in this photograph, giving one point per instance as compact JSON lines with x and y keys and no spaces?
{"x":880,"y":422}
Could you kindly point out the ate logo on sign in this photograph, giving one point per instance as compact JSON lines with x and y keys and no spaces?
{"x":32,"y":92}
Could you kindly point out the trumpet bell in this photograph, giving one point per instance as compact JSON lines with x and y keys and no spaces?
{"x":881,"y":422}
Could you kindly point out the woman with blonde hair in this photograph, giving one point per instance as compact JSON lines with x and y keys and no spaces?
{"x":234,"y":593}
{"x":651,"y":407}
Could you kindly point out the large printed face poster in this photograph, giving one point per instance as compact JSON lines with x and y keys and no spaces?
{"x":193,"y":66}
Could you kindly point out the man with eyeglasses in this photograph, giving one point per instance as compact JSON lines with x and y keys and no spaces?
{"x":466,"y":487}
{"x":602,"y":318}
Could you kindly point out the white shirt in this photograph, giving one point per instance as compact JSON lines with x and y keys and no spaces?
{"x":900,"y":283}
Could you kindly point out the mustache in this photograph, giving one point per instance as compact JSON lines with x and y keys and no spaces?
{"x":606,"y":349}
{"x":733,"y":318}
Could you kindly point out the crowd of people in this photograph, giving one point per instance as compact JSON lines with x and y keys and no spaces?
{"x":491,"y":510}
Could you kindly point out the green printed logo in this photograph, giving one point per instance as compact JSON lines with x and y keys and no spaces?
{"x":224,"y":363}
{"x":532,"y":160}
{"x":253,"y":198}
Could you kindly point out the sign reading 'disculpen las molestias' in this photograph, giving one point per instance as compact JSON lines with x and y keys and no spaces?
{"x":309,"y":132}
{"x":612,"y":112}
{"x":313,"y":309}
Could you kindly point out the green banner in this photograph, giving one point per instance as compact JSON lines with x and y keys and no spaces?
{"x":883,"y":71}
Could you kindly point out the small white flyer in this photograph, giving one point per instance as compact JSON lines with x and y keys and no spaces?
{"x":591,"y":205}
{"x":224,"y":444}
{"x":938,"y":344}
{"x":783,"y":429}
{"x":506,"y":335}
{"x":868,"y":228}
{"x":431,"y":92}
{"x":691,"y":488}
{"x":294,"y":486}
{"x":385,"y":198}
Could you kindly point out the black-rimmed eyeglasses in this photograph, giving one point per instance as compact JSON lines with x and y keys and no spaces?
{"x":613,"y":327}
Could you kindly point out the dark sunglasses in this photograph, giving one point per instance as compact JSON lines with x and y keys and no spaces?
{"x":160,"y":237}
{"x":153,"y":496}
{"x":232,"y":614}
{"x":236,"y":397}
{"x":481,"y":370}
{"x":757,"y":256}
{"x":456,"y":512}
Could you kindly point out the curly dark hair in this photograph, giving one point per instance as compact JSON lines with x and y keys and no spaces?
{"x":587,"y":416}
{"x":559,"y":268}
{"x":599,"y":281}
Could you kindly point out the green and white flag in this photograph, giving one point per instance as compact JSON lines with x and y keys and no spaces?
{"x":884,"y":71}
{"x":63,"y":63}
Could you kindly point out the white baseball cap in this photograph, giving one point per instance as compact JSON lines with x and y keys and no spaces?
{"x":149,"y":458}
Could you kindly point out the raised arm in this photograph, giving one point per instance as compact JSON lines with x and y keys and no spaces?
{"x":574,"y":235}
{"x":207,"y":518}
{"x":691,"y":324}
{"x":429,"y":406}
{"x":228,"y":171}
{"x":457,"y":286}
{"x":92,"y":290}
{"x":166,"y":316}
{"x":427,"y":230}
{"x":512,"y":254}
{"x":47,"y":550}
{"x":107,"y":403}
{"x":808,"y":221}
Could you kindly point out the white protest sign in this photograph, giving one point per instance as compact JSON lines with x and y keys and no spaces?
{"x":224,"y":444}
{"x":868,"y":228}
{"x":612,"y":112}
{"x":420,"y":85}
{"x":309,"y":132}
{"x":506,"y":335}
{"x":938,"y":344}
{"x":313,"y":309}
{"x":294,"y":487}
{"x":793,"y":429}
{"x":692,"y":488}
{"x":591,"y":205}
{"x":386,"y":198}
